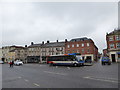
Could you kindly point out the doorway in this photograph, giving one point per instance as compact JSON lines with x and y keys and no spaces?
{"x":113,"y":57}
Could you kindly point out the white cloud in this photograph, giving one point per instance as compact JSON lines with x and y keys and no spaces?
{"x":26,"y":22}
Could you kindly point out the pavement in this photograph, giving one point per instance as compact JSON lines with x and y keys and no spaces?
{"x":45,"y":76}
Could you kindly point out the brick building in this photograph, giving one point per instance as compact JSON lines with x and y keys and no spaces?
{"x":113,"y":45}
{"x":85,"y":46}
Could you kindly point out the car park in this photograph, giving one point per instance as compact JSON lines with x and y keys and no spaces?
{"x":18,"y":62}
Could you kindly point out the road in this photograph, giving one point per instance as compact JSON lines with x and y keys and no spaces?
{"x":45,"y":76}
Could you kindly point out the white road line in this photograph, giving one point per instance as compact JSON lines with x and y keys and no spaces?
{"x":102,"y":79}
{"x":36,"y":84}
{"x":55,"y":73}
{"x":26,"y":80}
{"x":19,"y":77}
{"x":68,"y":67}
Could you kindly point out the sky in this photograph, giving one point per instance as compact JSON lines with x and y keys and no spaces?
{"x":24,"y":22}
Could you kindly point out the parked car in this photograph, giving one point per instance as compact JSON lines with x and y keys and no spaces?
{"x":1,"y":62}
{"x":105,"y":60}
{"x":18,"y":62}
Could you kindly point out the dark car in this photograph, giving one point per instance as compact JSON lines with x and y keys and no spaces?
{"x":105,"y":60}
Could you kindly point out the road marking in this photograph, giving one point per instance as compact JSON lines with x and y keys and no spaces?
{"x":103,"y":79}
{"x":55,"y":73}
{"x":68,"y":67}
{"x":26,"y":80}
{"x":36,"y":84}
{"x":19,"y":77}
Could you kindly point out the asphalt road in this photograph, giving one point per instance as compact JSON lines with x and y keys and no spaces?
{"x":45,"y":76}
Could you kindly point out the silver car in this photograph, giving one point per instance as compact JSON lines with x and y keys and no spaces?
{"x":18,"y":62}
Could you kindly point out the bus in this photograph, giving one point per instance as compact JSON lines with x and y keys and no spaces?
{"x":73,"y":59}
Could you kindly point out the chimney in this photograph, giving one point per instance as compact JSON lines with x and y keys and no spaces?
{"x":25,"y":45}
{"x":57,"y":40}
{"x":32,"y":43}
{"x":42,"y":42}
{"x":48,"y":41}
{"x":65,"y":40}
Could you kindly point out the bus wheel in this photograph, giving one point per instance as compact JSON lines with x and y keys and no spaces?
{"x":75,"y":65}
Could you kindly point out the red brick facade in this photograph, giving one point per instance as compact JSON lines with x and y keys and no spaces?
{"x":113,"y":45}
{"x":87,"y":48}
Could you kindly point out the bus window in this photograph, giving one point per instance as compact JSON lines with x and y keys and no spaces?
{"x":79,"y":58}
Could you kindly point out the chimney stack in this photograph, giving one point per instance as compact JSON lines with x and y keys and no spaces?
{"x":65,"y":40}
{"x":25,"y":45}
{"x":42,"y":42}
{"x":32,"y":43}
{"x":48,"y":41}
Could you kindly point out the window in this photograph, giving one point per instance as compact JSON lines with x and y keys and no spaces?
{"x":88,"y":44}
{"x":82,"y":44}
{"x":88,"y":50}
{"x":117,"y":37}
{"x":77,"y":45}
{"x":78,"y":51}
{"x":73,"y":51}
{"x":68,"y":51}
{"x":110,"y":38}
{"x":72,"y":45}
{"x":68,"y":46}
{"x":111,"y":45}
{"x":118,"y":45}
{"x":82,"y":50}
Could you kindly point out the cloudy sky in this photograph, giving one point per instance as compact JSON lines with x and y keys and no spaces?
{"x":24,"y":22}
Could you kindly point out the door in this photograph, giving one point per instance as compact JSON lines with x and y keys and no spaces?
{"x":113,"y":57}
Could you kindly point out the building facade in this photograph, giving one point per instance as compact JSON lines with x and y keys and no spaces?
{"x":53,"y":48}
{"x":113,"y":45}
{"x":0,"y":53}
{"x":5,"y":52}
{"x":84,"y":46}
{"x":13,"y":53}
{"x":33,"y":53}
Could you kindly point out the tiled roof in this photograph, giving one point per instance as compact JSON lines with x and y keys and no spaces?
{"x":79,"y":39}
{"x":115,"y":32}
{"x":35,"y":45}
{"x":54,"y":44}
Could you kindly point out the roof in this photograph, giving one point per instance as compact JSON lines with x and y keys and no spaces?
{"x":34,"y":45}
{"x":54,"y":44}
{"x":79,"y":39}
{"x":12,"y":50}
{"x":115,"y":32}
